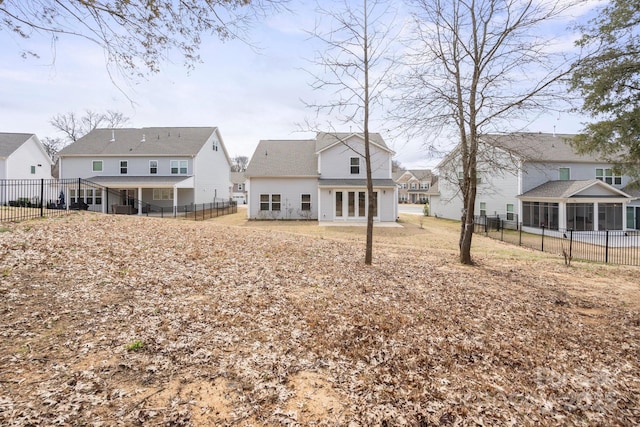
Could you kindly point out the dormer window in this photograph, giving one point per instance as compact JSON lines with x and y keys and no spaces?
{"x":355,"y":165}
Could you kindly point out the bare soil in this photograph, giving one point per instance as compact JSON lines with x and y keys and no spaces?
{"x":115,"y":320}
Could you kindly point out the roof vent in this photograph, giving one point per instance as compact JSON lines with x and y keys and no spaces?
{"x":144,"y":138}
{"x":113,"y":135}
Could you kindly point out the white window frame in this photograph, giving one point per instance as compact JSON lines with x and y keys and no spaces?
{"x":94,"y":163}
{"x":177,"y":165}
{"x":606,"y":175}
{"x":265,"y":202}
{"x":483,"y":208}
{"x":151,"y":167}
{"x":305,"y":205}
{"x":568,"y":174}
{"x":239,"y":187}
{"x":355,"y":165}
{"x":510,"y":212}
{"x":125,"y":167}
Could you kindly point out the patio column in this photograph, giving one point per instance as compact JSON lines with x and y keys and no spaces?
{"x":103,"y":193}
{"x":175,"y":199}
{"x":139,"y":200}
{"x":596,"y":217}
{"x":562,"y":215}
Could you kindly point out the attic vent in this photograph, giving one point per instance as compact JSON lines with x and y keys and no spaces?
{"x":113,"y":135}
{"x":143,"y":138}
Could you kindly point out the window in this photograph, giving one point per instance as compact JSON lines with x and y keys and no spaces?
{"x":215,"y":145}
{"x":275,"y":202}
{"x":264,"y":202}
{"x":424,"y":186}
{"x":305,"y":202}
{"x":483,"y":208}
{"x":153,"y":167}
{"x":98,"y":194}
{"x":163,"y":194}
{"x":404,"y":185}
{"x":362,"y":206}
{"x":72,"y":195}
{"x":124,"y":166}
{"x":338,"y":203}
{"x":239,"y":187}
{"x":414,"y":185}
{"x":510,"y":212}
{"x":564,"y":174}
{"x":96,"y":166}
{"x":355,"y":165}
{"x":178,"y":167}
{"x":33,"y":170}
{"x":607,"y":175}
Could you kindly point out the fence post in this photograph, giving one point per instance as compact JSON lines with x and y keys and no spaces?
{"x":520,"y":235}
{"x":542,"y":239}
{"x":502,"y":230}
{"x":570,"y":242}
{"x":41,"y":197}
{"x":606,"y":247}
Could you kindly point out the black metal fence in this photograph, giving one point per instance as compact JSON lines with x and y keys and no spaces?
{"x":33,"y":198}
{"x":609,"y":246}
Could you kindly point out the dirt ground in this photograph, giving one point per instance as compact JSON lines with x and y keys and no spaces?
{"x":115,"y":320}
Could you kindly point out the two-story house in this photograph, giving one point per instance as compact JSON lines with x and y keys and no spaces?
{"x":322,"y":178}
{"x":413,"y":185}
{"x":162,"y":167}
{"x":538,"y":180}
{"x":239,"y":190}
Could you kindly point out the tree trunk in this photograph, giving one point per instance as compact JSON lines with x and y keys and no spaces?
{"x":368,"y":258}
{"x":466,"y":232}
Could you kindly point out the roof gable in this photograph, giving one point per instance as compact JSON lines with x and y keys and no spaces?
{"x":153,"y":141}
{"x":326,"y":140}
{"x":574,"y":189}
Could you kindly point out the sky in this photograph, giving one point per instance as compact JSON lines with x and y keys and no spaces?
{"x":249,"y":93}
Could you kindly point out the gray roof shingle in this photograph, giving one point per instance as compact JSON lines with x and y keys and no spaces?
{"x":156,"y":141}
{"x":563,"y":189}
{"x":541,"y":147}
{"x":282,"y":158}
{"x":9,"y":142}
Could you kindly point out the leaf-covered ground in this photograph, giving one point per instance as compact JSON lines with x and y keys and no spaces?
{"x":113,"y":320}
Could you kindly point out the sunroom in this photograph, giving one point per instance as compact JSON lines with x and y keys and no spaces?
{"x":586,"y":205}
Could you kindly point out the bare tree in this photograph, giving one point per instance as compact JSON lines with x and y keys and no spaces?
{"x":52,"y":146}
{"x":479,"y":67}
{"x":239,"y":164}
{"x":74,"y":126}
{"x":136,"y":35}
{"x":355,"y":64}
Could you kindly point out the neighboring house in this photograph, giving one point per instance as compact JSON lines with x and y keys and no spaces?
{"x":322,"y":178}
{"x":239,"y":191}
{"x":539,"y":181}
{"x":22,"y":157}
{"x":413,"y":185}
{"x":165,"y":167}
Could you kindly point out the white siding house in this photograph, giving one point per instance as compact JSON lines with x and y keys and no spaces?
{"x":160,"y":166}
{"x":538,"y":180}
{"x":22,"y":159}
{"x":22,"y":156}
{"x":323,"y":178}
